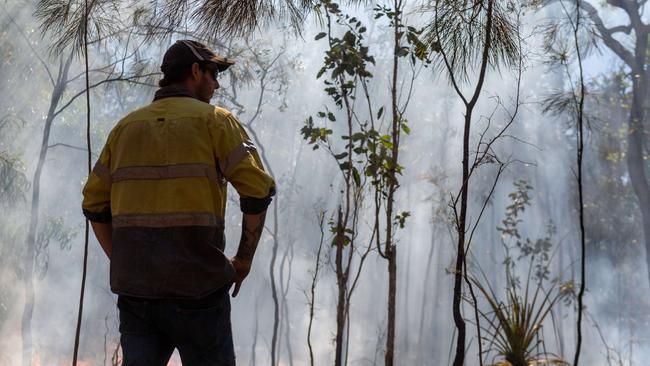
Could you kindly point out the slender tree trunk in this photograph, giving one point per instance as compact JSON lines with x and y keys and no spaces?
{"x":312,"y":298}
{"x":253,"y":359}
{"x":393,"y":185}
{"x":342,"y":284}
{"x":459,"y":358}
{"x":404,"y":300}
{"x":636,"y":164}
{"x":30,"y":244}
{"x":581,"y":208}
{"x":274,"y":290}
{"x":287,"y":258}
{"x":392,"y":289}
{"x":426,"y":286}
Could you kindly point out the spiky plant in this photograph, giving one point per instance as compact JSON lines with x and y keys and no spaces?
{"x":513,"y":321}
{"x":514,"y":329}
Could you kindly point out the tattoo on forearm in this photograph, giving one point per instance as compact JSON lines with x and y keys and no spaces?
{"x":251,"y":233}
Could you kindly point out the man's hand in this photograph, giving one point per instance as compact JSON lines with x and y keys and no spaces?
{"x":252,"y":226}
{"x":242,"y":268}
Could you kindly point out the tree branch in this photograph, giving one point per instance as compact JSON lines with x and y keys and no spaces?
{"x":70,"y":147}
{"x":606,"y":35}
{"x":627,"y":29}
{"x":131,"y":79}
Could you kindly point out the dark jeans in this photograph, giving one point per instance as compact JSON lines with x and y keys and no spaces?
{"x":199,"y":328}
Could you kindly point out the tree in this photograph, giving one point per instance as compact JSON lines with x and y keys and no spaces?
{"x":574,"y":105}
{"x":635,"y":59}
{"x":482,"y":35}
{"x":346,"y":63}
{"x":383,"y":154}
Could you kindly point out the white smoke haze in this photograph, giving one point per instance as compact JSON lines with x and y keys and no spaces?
{"x":309,"y":182}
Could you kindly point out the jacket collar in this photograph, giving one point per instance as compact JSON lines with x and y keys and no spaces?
{"x":173,"y":91}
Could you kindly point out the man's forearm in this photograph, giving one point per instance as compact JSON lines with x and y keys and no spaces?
{"x":104,"y":234}
{"x":252,"y":227}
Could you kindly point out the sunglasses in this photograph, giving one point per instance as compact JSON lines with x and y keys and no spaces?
{"x":213,"y":72}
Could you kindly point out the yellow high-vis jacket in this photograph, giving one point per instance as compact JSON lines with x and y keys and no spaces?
{"x":161,"y":181}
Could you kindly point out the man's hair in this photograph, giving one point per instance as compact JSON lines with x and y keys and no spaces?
{"x":177,"y":73}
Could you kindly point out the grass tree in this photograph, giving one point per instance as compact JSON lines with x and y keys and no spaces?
{"x":514,"y":322}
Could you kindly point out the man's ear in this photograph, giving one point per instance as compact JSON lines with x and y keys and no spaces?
{"x":196,"y":71}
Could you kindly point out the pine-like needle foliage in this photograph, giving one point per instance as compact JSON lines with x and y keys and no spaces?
{"x":64,"y":19}
{"x":458,"y":28}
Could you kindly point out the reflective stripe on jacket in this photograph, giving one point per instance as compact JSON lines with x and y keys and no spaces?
{"x":161,"y":181}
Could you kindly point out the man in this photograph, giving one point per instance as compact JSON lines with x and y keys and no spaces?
{"x":156,"y":200}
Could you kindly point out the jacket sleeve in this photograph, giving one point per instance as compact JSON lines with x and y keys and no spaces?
{"x":241,"y":165}
{"x":97,"y":190}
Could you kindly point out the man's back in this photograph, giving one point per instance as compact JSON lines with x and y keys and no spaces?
{"x":166,"y":166}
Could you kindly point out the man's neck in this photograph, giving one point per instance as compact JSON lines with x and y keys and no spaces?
{"x":174,"y":90}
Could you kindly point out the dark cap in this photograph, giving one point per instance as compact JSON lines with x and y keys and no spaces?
{"x":186,"y":51}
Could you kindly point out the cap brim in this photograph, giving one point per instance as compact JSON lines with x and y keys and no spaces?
{"x":222,"y":63}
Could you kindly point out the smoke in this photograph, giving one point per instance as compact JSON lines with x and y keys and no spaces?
{"x":308,"y":182}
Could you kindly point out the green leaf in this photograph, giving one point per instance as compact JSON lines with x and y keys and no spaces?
{"x":380,"y":112}
{"x":321,"y":72}
{"x":358,"y":136}
{"x":331,"y":117}
{"x":340,"y":156}
{"x":356,"y":177}
{"x":349,"y":38}
{"x":320,"y":35}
